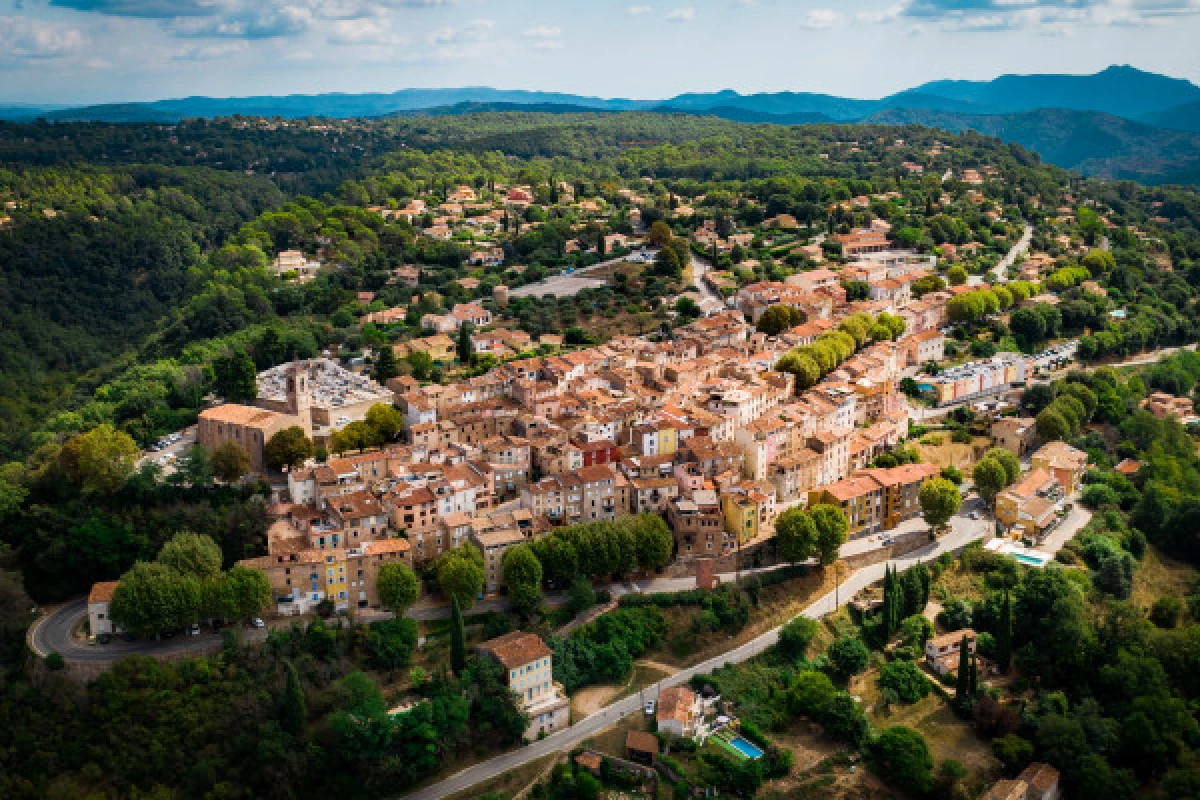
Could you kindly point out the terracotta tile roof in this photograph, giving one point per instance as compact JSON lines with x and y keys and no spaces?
{"x":395,"y":545}
{"x":515,"y":649}
{"x":1041,"y":777}
{"x":102,"y":592}
{"x":234,"y":414}
{"x":675,"y":702}
{"x":641,"y":742}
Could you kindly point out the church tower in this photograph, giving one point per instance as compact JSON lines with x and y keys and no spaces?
{"x":299,"y":394}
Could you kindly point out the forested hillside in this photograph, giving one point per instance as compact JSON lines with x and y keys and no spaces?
{"x":134,"y":285}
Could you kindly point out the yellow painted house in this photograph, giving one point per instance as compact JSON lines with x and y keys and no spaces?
{"x":336,"y":587}
{"x":746,"y":511}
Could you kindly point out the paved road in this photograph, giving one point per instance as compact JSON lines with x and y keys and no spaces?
{"x":710,"y":300}
{"x":1000,"y":271}
{"x":965,"y":530}
{"x":52,"y":633}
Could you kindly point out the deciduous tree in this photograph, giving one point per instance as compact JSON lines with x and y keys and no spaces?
{"x":398,"y":587}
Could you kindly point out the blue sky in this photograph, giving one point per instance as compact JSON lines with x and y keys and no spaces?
{"x":82,"y":51}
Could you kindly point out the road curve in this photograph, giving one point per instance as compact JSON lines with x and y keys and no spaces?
{"x":51,"y":633}
{"x":964,"y":531}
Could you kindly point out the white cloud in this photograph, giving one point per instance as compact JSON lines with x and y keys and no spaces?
{"x":820,"y":19}
{"x":881,"y":15}
{"x":637,"y":11}
{"x":682,"y":14}
{"x":208,"y":52}
{"x":545,"y":37}
{"x":1048,"y":16}
{"x":24,"y":38}
{"x":365,"y":31}
{"x":473,"y":32}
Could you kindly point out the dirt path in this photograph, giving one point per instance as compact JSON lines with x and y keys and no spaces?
{"x":664,"y":668}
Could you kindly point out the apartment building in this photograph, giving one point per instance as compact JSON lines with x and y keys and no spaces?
{"x":876,"y":500}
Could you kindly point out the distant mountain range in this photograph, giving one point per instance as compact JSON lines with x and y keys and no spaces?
{"x":1120,"y":122}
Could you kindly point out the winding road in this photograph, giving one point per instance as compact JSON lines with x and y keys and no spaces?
{"x":964,"y":530}
{"x":54,"y":633}
{"x":1010,"y":258}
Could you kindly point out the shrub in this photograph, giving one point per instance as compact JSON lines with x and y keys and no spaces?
{"x":847,"y":657}
{"x":902,"y":758}
{"x":905,"y":679}
{"x":55,"y":662}
{"x":1166,"y":611}
{"x":796,"y":636}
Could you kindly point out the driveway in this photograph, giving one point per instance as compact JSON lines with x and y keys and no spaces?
{"x":964,"y":531}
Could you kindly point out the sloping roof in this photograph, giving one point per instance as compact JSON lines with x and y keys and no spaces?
{"x":102,"y":592}
{"x":675,"y":702}
{"x":1040,"y":776}
{"x":642,"y":742}
{"x":516,"y":649}
{"x":235,"y":414}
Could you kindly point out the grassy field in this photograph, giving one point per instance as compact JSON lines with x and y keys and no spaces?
{"x":1159,"y":575}
{"x":777,"y":605}
{"x":949,"y":453}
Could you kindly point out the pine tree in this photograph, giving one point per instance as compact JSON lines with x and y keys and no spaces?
{"x":294,"y":708}
{"x":458,"y":638}
{"x":385,"y":364}
{"x":1004,"y":634}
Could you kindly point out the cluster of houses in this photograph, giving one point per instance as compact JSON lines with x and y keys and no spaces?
{"x":699,"y":429}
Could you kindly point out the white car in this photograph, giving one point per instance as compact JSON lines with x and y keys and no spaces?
{"x":257,"y":623}
{"x":194,"y":630}
{"x":649,"y":708}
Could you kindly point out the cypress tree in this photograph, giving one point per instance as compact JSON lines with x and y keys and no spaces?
{"x":458,"y":638}
{"x":974,"y":676}
{"x":464,"y":343}
{"x":888,"y":599}
{"x":294,"y":708}
{"x":962,"y":687}
{"x":1004,"y":634}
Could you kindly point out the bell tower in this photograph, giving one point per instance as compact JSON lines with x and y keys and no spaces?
{"x":299,"y":394}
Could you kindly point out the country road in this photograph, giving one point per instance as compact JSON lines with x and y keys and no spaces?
{"x":1000,"y":271}
{"x":52,"y":632}
{"x":964,"y":531}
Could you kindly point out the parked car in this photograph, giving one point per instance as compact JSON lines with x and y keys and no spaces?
{"x":257,"y":623}
{"x":194,"y":630}
{"x":649,"y":708}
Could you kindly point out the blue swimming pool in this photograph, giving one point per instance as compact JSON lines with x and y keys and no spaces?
{"x":746,"y":748}
{"x":1032,"y":561}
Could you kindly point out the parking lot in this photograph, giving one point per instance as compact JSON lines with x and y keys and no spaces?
{"x":167,"y":452}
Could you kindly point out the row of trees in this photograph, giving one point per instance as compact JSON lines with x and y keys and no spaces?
{"x":818,"y":532}
{"x":185,"y":585}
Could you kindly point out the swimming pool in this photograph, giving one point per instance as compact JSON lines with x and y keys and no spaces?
{"x":743,"y":746}
{"x":1032,"y":561}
